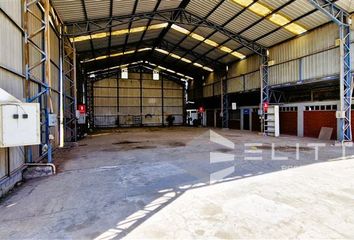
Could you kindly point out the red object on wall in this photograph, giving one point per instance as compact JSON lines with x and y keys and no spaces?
{"x":265,"y":106}
{"x":201,"y":109}
{"x":81,"y":108}
{"x":288,"y":123}
{"x":315,"y":120}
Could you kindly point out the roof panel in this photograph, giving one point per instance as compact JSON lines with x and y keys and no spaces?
{"x":168,"y":4}
{"x":66,"y":10}
{"x":215,"y":54}
{"x":218,"y":37}
{"x":204,"y":31}
{"x":152,"y":34}
{"x":122,"y":8}
{"x":97,"y":9}
{"x":226,"y":11}
{"x":264,"y":27}
{"x":173,"y":37}
{"x":347,"y":5}
{"x":118,"y":40}
{"x":297,"y":8}
{"x":273,"y":4}
{"x":202,"y":48}
{"x":246,"y":19}
{"x":201,"y":7}
{"x":83,"y":46}
{"x":313,"y":20}
{"x":189,"y":43}
{"x":276,"y":37}
{"x":146,"y":6}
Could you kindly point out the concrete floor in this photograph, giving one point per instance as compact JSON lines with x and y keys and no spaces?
{"x":155,"y":183}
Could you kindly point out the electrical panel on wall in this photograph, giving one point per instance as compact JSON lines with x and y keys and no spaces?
{"x":19,"y":124}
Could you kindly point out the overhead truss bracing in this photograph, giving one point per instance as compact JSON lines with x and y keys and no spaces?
{"x":342,"y":19}
{"x":183,"y":17}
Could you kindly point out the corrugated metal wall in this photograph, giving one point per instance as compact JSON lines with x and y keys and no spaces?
{"x":309,"y":57}
{"x":12,"y":71}
{"x":11,"y":55}
{"x":136,"y":101}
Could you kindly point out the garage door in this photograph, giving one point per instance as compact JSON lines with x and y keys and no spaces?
{"x":316,"y":117}
{"x":288,"y":120}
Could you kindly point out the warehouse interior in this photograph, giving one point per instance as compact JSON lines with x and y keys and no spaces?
{"x":126,"y":118}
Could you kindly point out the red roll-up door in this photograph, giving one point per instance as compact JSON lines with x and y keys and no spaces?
{"x":288,"y":123}
{"x":315,"y":120}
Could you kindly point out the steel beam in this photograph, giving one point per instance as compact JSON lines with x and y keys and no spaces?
{"x":342,"y":19}
{"x":184,"y":17}
{"x":43,"y":66}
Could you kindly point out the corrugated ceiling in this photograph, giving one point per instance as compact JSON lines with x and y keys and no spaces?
{"x":225,"y":13}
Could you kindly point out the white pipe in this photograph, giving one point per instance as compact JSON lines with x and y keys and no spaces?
{"x":61,"y":103}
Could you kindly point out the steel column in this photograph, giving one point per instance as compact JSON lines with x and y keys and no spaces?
{"x":43,"y":65}
{"x":342,"y":19}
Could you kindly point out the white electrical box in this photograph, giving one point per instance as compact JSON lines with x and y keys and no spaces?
{"x":19,"y":124}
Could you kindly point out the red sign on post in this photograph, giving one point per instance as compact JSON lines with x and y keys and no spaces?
{"x":81,"y":108}
{"x":265,"y":106}
{"x":201,"y":109}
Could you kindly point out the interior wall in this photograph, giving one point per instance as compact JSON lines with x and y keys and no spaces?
{"x":137,"y":101}
{"x":12,"y":73}
{"x":309,"y":57}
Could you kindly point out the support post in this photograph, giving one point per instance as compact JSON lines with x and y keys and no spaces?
{"x":264,"y":74}
{"x":224,"y":103}
{"x":342,"y":19}
{"x":162,"y":102}
{"x":43,"y":65}
{"x":345,"y":84}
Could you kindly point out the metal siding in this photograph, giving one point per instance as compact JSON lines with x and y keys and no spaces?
{"x":13,"y":8}
{"x":11,"y":48}
{"x":235,"y":85}
{"x":317,"y":40}
{"x":321,"y":65}
{"x":284,"y":73}
{"x":252,"y":81}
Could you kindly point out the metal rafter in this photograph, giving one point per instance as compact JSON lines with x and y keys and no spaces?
{"x":147,"y":25}
{"x":280,"y":27}
{"x":86,"y":17}
{"x":223,"y":25}
{"x":342,"y":19}
{"x":174,"y":18}
{"x":260,"y":20}
{"x":184,"y":17}
{"x":163,"y":45}
{"x":195,"y":28}
{"x":130,"y":24}
{"x":110,"y":29}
